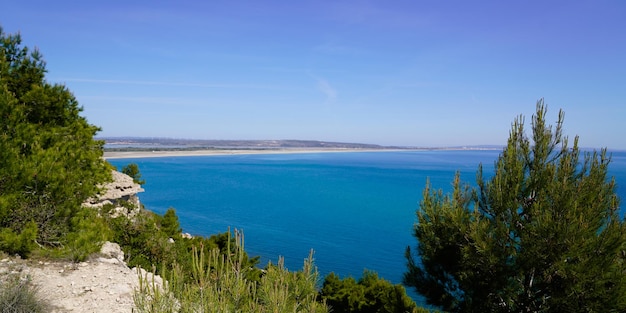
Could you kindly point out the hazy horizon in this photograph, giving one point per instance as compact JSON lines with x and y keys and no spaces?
{"x":481,"y":146}
{"x":410,"y":73}
{"x":337,"y":142}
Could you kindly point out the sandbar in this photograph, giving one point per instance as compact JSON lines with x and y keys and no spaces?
{"x":181,"y":153}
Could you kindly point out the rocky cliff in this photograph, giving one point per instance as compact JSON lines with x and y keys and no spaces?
{"x":120,"y":192}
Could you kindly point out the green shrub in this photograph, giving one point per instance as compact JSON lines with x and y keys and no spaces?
{"x":88,"y":232}
{"x":368,"y":294}
{"x":142,"y":240}
{"x":19,"y":243}
{"x":170,"y":224}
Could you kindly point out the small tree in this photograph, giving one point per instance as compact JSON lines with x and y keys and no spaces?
{"x":170,"y":224}
{"x":132,"y":170}
{"x":543,"y":234}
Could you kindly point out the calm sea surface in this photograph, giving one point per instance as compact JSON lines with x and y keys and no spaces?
{"x":356,"y":210}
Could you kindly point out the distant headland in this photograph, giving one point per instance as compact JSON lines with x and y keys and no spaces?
{"x":142,"y":147}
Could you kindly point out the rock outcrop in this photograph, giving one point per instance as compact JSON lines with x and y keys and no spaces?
{"x":121,"y":193}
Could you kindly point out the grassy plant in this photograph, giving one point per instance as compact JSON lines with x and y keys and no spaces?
{"x":219,"y":283}
{"x":151,"y":297}
{"x":284,"y":291}
{"x":17,"y":295}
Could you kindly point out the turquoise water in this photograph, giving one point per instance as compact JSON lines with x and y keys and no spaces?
{"x":356,"y":210}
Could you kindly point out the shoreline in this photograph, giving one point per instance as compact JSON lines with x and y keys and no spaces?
{"x":108,"y":155}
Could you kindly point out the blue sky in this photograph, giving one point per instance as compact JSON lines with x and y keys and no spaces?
{"x":417,"y":73}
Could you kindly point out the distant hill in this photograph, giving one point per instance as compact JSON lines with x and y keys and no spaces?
{"x":177,"y":144}
{"x":133,"y":143}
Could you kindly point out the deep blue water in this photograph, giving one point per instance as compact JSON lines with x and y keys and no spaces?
{"x":356,"y":210}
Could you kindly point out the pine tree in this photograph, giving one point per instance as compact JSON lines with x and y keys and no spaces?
{"x":170,"y":224}
{"x":543,"y":234}
{"x":49,"y":161}
{"x":132,"y":170}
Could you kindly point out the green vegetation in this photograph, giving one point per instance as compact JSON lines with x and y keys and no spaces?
{"x":49,"y":162}
{"x":19,"y":243}
{"x":88,"y":232}
{"x":542,"y":235}
{"x":219,"y":283}
{"x":369,"y":294}
{"x":170,"y":223}
{"x":150,"y":241}
{"x":132,"y":170}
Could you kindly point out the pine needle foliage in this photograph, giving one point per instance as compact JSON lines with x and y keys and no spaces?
{"x":283,"y":291}
{"x":49,"y":161}
{"x":132,"y":170}
{"x":543,"y":234}
{"x":369,"y":294}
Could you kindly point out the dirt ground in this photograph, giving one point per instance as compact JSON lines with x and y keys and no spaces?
{"x":102,"y":284}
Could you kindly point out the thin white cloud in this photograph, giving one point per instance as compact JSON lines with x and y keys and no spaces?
{"x":327,"y":89}
{"x":167,"y":101}
{"x":300,"y":70}
{"x":161,"y":83}
{"x":324,"y":87}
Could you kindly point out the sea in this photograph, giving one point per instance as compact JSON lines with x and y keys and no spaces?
{"x":355,"y":210}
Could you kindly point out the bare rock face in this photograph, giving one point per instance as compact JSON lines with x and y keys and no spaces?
{"x":121,"y":187}
{"x":120,"y":192}
{"x":111,"y":250}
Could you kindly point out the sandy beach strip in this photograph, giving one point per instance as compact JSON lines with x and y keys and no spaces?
{"x":175,"y":153}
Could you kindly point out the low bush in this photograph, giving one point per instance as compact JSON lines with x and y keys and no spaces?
{"x":21,"y":243}
{"x":88,"y":232}
{"x":370,"y":294}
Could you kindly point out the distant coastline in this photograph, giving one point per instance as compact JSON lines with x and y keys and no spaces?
{"x":130,"y":147}
{"x":215,"y":152}
{"x":137,"y":154}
